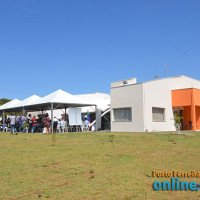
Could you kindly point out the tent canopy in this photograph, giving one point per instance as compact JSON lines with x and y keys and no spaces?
{"x":10,"y":104}
{"x":59,"y":99}
{"x":29,"y":101}
{"x":61,"y":96}
{"x":102,"y":101}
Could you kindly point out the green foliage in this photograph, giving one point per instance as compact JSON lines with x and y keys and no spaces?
{"x":25,"y":124}
{"x":111,"y":139}
{"x":54,"y":139}
{"x":4,"y":100}
{"x":177,"y":119}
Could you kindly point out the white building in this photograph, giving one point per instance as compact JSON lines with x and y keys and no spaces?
{"x":150,"y":106}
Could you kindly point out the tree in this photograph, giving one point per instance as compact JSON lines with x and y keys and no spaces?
{"x":4,"y":100}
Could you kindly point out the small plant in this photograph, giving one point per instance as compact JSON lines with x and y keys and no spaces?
{"x":54,"y":139}
{"x":47,"y":196}
{"x":170,"y":139}
{"x":111,"y":139}
{"x":177,"y":120}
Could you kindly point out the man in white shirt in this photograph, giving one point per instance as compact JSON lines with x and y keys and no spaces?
{"x":12,"y":123}
{"x":55,"y":123}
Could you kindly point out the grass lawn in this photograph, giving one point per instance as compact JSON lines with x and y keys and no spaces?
{"x":89,"y":166}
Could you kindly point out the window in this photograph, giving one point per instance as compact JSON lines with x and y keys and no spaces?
{"x":122,"y":115}
{"x":158,"y":114}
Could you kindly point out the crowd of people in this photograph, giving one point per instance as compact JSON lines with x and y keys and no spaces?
{"x":30,"y":124}
{"x":42,"y":124}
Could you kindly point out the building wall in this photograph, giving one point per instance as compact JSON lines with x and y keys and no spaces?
{"x":198,"y":117}
{"x":128,"y":96}
{"x":143,"y":97}
{"x":158,"y":94}
{"x":187,"y":117}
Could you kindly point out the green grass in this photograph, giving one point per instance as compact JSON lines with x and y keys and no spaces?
{"x":90,"y":166}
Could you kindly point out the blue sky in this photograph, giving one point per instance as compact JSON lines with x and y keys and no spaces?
{"x":81,"y":46}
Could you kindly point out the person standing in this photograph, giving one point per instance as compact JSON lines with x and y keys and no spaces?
{"x":20,"y":123}
{"x":24,"y":120}
{"x":59,"y":126}
{"x":12,"y":123}
{"x":33,"y":124}
{"x":17,"y":124}
{"x":30,"y":123}
{"x":8,"y":122}
{"x":86,"y":122}
{"x":46,"y":121}
{"x":63,"y":125}
{"x":55,"y":124}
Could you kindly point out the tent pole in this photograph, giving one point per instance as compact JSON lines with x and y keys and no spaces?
{"x":51,"y":117}
{"x":3,"y":121}
{"x":96,"y":117}
{"x":76,"y":120}
{"x":65,"y":115}
{"x":23,"y":111}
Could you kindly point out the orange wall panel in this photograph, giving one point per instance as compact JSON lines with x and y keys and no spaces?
{"x":196,"y":93}
{"x":190,"y":99}
{"x":198,"y":117}
{"x":187,"y":116}
{"x":181,"y":97}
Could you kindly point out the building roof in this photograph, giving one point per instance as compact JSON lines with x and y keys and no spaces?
{"x":158,"y":79}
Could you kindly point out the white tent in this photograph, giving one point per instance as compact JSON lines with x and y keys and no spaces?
{"x":56,"y":100}
{"x":61,"y":96}
{"x":29,"y":101}
{"x":102,"y":101}
{"x":61,"y":99}
{"x":10,"y":104}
